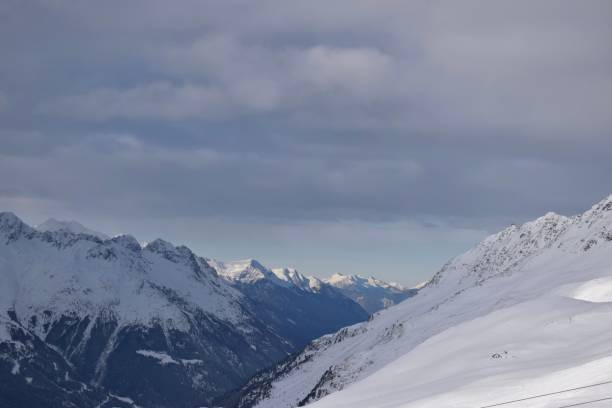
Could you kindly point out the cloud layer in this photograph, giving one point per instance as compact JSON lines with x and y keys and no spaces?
{"x":451,"y":114}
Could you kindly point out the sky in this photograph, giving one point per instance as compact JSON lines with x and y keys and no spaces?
{"x":371,"y":137}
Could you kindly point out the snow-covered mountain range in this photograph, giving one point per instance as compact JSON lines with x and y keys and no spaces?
{"x":371,"y":293}
{"x":298,"y":308}
{"x":93,"y":322}
{"x":525,"y":312}
{"x":90,"y":321}
{"x":53,"y":225}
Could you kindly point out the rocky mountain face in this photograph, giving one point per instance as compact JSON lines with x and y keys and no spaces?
{"x":93,"y":322}
{"x":294,"y":306}
{"x":371,"y":293}
{"x":517,"y":295}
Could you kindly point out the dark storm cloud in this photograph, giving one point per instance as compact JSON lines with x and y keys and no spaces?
{"x":316,"y":111}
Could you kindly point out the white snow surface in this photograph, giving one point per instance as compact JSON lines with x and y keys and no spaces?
{"x":75,"y":274}
{"x":525,"y":312}
{"x":164,"y":359}
{"x":371,"y":293}
{"x":250,"y":271}
{"x":342,"y":281}
{"x":245,"y":271}
{"x":161,"y":357}
{"x":53,"y":225}
{"x":291,"y":275}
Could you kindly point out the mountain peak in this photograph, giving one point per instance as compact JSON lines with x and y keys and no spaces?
{"x":606,"y":202}
{"x":294,"y":277}
{"x":340,"y":279}
{"x":74,"y":227}
{"x":127,"y":241}
{"x":288,"y":273}
{"x":9,"y":219}
{"x":159,"y":245}
{"x":548,"y":218}
{"x":246,"y":271}
{"x":371,"y":293}
{"x":602,"y":207}
{"x":10,"y":223}
{"x":252,"y":263}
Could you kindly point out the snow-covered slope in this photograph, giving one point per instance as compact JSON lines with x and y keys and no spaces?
{"x":155,"y":324}
{"x":371,"y":293}
{"x":53,"y":225}
{"x":524,"y":312}
{"x":106,"y":308}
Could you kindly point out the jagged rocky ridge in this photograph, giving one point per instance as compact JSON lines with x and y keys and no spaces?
{"x":53,"y":225}
{"x":298,"y":308}
{"x":539,"y":261}
{"x":371,"y":293}
{"x":90,"y":322}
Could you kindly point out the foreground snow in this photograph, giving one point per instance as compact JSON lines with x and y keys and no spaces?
{"x":536,"y":347}
{"x":526,"y":312}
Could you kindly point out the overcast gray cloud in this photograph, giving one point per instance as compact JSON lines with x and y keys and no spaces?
{"x":3,"y":102}
{"x":341,"y":116}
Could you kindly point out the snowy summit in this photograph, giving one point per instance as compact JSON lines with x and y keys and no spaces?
{"x":371,"y":293}
{"x":70,"y":226}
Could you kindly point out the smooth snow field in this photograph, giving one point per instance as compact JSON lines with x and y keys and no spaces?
{"x":527,"y":312}
{"x":533,"y":348}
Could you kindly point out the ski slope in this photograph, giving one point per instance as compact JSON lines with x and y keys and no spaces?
{"x":527,"y":311}
{"x":535,"y":347}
